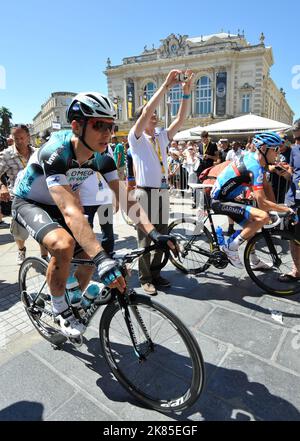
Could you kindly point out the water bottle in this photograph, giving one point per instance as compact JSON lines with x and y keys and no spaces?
{"x":220,"y":236}
{"x":73,"y":290}
{"x":90,"y":294}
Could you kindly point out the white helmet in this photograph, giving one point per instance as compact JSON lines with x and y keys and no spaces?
{"x":90,"y":105}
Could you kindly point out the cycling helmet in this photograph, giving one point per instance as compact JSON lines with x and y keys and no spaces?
{"x":87,"y":105}
{"x":269,"y":139}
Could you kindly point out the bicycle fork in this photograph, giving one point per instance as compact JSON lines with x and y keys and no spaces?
{"x":123,"y":302}
{"x":276,"y":259}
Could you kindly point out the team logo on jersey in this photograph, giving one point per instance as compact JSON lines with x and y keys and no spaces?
{"x":54,"y":179}
{"x":52,"y":158}
{"x":39,"y":218}
{"x":260,"y":178}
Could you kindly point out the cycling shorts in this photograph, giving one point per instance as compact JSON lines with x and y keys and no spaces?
{"x":239,"y":213}
{"x":40,"y":219}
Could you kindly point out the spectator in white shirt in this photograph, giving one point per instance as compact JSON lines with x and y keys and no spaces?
{"x":149,"y":154}
{"x":235,"y":153}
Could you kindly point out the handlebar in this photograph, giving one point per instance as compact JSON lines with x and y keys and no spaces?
{"x":276,"y":218}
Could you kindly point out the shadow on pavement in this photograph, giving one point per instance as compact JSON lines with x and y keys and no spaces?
{"x":228,"y":395}
{"x":23,"y":411}
{"x":6,"y":238}
{"x":205,"y":290}
{"x":9,"y":295}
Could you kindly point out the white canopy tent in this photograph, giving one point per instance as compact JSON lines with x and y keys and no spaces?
{"x":186,"y":135}
{"x":242,"y":126}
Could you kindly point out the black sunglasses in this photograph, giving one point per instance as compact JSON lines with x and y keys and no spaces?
{"x":102,"y":126}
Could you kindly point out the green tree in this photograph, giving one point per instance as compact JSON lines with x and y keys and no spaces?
{"x":5,"y":116}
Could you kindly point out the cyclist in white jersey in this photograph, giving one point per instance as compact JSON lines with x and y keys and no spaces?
{"x":46,"y":203}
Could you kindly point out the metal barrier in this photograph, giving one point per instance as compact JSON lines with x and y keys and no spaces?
{"x":280,"y":187}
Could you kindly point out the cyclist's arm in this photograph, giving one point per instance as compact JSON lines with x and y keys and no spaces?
{"x":268,"y":189}
{"x":266,"y":205}
{"x":72,"y":211}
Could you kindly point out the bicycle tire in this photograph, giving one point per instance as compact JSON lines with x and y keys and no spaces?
{"x":268,"y":279}
{"x":193,"y":262}
{"x":32,"y":282}
{"x":128,"y":370}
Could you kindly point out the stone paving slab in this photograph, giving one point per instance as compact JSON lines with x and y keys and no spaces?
{"x":289,"y":354}
{"x":24,"y":378}
{"x":244,"y":332}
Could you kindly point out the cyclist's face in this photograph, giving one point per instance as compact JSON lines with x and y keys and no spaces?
{"x":272,"y":154}
{"x":98,"y":133}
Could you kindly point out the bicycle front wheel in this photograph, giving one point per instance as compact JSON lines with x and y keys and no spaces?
{"x":170,"y":376}
{"x":195,"y":244}
{"x":273,"y":251}
{"x":36,"y":299}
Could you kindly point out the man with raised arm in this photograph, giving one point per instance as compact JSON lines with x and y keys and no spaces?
{"x":149,"y":153}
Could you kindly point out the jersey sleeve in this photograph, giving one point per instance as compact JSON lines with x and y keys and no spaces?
{"x":54,"y":166}
{"x":257,"y":177}
{"x":107,"y":167}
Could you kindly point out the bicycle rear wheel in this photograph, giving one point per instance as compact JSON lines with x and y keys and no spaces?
{"x":171,"y":375}
{"x":36,"y":299}
{"x":195,"y":243}
{"x":272,"y":248}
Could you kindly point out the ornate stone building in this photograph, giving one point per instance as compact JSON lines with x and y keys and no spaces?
{"x":52,"y":115}
{"x":232,"y":78}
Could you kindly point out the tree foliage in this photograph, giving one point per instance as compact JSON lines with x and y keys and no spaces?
{"x":5,"y":116}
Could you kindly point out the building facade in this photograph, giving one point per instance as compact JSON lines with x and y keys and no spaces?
{"x":52,"y":115}
{"x":232,"y":78}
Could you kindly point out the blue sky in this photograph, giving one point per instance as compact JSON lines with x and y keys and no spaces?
{"x":63,"y":45}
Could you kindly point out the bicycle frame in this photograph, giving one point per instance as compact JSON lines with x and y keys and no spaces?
{"x":122,"y":298}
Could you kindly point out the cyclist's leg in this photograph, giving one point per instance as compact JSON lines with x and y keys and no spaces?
{"x":249,"y":218}
{"x":44,"y":227}
{"x":47,"y":231}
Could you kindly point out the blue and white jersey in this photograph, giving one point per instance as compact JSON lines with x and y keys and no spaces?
{"x":56,"y":164}
{"x":236,"y":177}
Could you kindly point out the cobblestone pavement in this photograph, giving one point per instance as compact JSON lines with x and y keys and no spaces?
{"x":251,"y":356}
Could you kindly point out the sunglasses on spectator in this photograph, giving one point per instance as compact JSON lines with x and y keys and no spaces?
{"x":102,"y":126}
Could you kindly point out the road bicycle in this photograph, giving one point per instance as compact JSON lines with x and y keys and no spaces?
{"x":199,"y":248}
{"x":149,"y":350}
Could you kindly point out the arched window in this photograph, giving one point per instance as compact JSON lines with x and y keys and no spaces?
{"x":203,"y":96}
{"x":175,"y":95}
{"x":149,"y":91}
